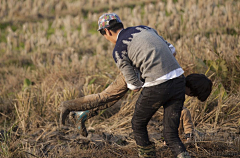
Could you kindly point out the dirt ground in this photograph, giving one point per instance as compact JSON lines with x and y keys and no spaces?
{"x":54,"y":141}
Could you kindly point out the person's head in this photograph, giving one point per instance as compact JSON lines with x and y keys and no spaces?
{"x":198,"y":85}
{"x":108,"y":25}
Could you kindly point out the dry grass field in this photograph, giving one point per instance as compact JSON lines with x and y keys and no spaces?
{"x":50,"y":51}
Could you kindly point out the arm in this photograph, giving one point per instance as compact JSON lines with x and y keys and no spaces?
{"x":109,"y":96}
{"x":125,"y":66}
{"x":94,"y":102}
{"x":113,"y":92}
{"x":187,"y":121}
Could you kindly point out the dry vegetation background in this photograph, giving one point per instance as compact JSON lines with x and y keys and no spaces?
{"x":50,"y":51}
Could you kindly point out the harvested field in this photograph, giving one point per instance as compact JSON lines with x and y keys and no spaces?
{"x":50,"y":51}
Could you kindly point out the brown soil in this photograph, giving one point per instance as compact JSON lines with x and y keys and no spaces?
{"x":53,"y":141}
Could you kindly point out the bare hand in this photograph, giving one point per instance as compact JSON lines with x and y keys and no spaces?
{"x":136,"y":90}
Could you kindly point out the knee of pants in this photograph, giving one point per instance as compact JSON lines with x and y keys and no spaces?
{"x":170,"y":136}
{"x":137,"y":125}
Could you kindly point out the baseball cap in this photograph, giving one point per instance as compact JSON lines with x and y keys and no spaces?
{"x":103,"y":21}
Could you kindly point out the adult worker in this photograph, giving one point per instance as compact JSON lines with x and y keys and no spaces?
{"x":141,"y":48}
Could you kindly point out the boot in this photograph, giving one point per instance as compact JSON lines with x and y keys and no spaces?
{"x":184,"y":154}
{"x":81,"y":117}
{"x":78,"y":118}
{"x":147,"y":151}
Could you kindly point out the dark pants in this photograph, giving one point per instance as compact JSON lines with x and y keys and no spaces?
{"x":170,"y":95}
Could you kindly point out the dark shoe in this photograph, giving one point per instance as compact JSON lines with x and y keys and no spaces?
{"x":147,"y":151}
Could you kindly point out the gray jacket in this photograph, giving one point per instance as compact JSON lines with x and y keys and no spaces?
{"x":142,"y":48}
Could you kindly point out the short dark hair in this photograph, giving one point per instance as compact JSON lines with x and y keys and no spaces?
{"x":200,"y":86}
{"x":113,"y":26}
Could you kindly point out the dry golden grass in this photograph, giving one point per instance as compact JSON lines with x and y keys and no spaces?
{"x":50,"y":51}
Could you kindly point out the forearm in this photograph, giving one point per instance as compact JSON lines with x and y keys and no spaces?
{"x":132,"y":80}
{"x":188,"y":126}
{"x":102,"y":100}
{"x":94,"y":112}
{"x":187,"y":122}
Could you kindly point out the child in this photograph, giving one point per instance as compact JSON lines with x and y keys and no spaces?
{"x":197,"y":85}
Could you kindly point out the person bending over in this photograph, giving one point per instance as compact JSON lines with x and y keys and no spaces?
{"x":141,"y":48}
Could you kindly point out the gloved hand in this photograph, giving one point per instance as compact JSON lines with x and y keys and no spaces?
{"x":64,"y":111}
{"x":71,"y":105}
{"x":81,"y":117}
